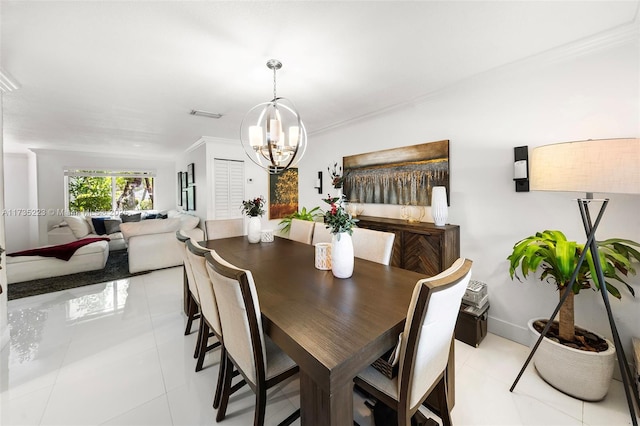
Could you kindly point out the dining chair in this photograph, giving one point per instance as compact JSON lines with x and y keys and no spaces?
{"x":209,"y":318}
{"x":301,"y":231}
{"x":321,"y":233}
{"x":193,"y":300}
{"x":373,"y":245}
{"x":260,"y":361}
{"x":224,"y":228}
{"x":423,"y":346}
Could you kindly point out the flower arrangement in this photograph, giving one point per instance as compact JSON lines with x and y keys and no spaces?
{"x":253,"y":207}
{"x":337,"y":219}
{"x":337,"y":178}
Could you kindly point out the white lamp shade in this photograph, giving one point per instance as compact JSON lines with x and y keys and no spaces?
{"x":599,"y":165}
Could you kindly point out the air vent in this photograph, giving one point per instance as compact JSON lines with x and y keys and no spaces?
{"x":205,"y":113}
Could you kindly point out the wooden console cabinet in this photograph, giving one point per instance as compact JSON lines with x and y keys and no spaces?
{"x":422,"y":247}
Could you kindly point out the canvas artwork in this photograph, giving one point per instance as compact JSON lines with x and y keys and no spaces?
{"x":283,"y":194}
{"x":403,"y":176}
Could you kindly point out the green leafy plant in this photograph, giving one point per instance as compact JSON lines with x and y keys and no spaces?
{"x":556,"y":258}
{"x":254,"y":207}
{"x":337,"y":219}
{"x":310,"y":215}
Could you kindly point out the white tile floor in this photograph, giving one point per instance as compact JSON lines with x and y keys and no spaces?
{"x":115,"y":354}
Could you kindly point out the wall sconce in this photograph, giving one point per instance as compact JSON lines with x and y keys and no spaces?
{"x":521,"y":168}
{"x":319,"y":183}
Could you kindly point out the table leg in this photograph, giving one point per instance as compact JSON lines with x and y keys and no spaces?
{"x":318,"y":407}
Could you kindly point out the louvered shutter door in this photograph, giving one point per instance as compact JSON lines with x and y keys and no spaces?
{"x":229,"y":188}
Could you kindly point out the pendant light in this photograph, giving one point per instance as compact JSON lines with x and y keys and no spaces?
{"x":272,"y":134}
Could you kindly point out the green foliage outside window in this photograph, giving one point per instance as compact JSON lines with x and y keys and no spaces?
{"x":87,"y":193}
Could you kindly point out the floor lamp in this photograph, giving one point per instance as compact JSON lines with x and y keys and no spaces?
{"x":592,"y":166}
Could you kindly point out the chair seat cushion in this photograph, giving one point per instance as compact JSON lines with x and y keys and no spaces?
{"x":277,"y":361}
{"x":380,"y":381}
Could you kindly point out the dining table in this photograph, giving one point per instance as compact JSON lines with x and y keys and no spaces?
{"x":332,"y":328}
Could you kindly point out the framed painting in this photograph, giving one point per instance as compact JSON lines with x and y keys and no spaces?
{"x":403,"y":176}
{"x":179,"y":188}
{"x":191,"y":197}
{"x":191,"y":177}
{"x":283,"y":194}
{"x":185,"y":182}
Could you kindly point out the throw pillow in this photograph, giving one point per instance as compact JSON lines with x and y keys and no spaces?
{"x":151,"y":216}
{"x":162,"y":216}
{"x":98,"y":225}
{"x":111,"y":226}
{"x":78,"y":225}
{"x":131,"y":217}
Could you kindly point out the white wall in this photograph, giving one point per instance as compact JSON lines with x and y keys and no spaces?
{"x":50,"y":167}
{"x":535,"y":103}
{"x":19,"y":200}
{"x":4,"y":328}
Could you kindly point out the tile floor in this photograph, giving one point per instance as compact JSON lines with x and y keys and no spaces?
{"x":115,"y":354}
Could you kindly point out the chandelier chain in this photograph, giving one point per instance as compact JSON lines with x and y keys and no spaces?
{"x":274,"y":83}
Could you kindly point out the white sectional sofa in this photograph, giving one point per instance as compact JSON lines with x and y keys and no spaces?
{"x":73,"y":228}
{"x":152,"y":243}
{"x":87,"y":258}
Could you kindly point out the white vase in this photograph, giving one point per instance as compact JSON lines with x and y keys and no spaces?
{"x":439,"y":208}
{"x":342,"y":255}
{"x":254,"y":229}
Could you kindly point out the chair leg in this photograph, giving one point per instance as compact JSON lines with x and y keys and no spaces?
{"x":202,"y":347}
{"x":443,"y":402}
{"x":196,"y":352}
{"x":193,"y":314}
{"x":223,"y":362}
{"x":261,"y":406}
{"x":226,"y":389}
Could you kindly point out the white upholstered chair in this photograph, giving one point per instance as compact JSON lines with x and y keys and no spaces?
{"x":191,"y":295}
{"x":372,"y":245}
{"x":424,"y":346}
{"x":301,"y":231}
{"x":321,"y":233}
{"x":261,"y":363}
{"x":224,"y":228}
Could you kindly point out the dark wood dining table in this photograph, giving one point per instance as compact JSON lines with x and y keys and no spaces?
{"x":332,"y":328}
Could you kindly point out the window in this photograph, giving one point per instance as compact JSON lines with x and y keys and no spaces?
{"x":96,"y":191}
{"x":229,"y":188}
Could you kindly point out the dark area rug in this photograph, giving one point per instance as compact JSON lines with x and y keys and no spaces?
{"x":117,"y":267}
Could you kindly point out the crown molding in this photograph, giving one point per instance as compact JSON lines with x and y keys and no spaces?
{"x":607,"y":39}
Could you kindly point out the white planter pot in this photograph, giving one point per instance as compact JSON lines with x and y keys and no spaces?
{"x":254,"y":229}
{"x":581,"y":374}
{"x":342,"y":255}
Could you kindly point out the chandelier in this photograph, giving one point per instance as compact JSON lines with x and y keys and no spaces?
{"x":272,"y":134}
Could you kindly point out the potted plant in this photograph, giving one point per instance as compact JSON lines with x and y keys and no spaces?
{"x":556,"y":258}
{"x":340,"y":223}
{"x":254,"y":208}
{"x":310,"y":215}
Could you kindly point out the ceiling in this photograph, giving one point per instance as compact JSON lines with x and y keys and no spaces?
{"x":122,"y":76}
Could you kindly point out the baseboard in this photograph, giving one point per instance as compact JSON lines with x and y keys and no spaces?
{"x":508,"y":330}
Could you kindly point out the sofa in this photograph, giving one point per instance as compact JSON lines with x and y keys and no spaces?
{"x":74,"y":228}
{"x":152,"y":243}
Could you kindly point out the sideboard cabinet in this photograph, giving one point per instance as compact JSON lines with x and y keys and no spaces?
{"x":420,"y":246}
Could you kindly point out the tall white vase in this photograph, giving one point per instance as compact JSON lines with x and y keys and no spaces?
{"x":342,"y":255}
{"x":254,"y":229}
{"x":439,"y":208}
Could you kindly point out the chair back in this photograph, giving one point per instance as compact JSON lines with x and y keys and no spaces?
{"x":372,"y":245}
{"x":239,"y":316}
{"x":224,"y":228}
{"x":301,"y":231}
{"x":321,"y":233}
{"x":426,"y":340}
{"x":182,"y":240}
{"x":208,"y":302}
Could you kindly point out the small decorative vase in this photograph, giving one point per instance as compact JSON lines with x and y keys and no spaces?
{"x":439,"y":209}
{"x":254,"y":228}
{"x":342,"y":255}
